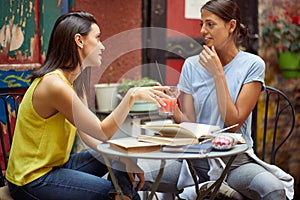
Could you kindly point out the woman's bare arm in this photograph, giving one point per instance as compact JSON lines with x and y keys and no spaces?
{"x":54,"y":95}
{"x":232,"y":113}
{"x":188,"y":113}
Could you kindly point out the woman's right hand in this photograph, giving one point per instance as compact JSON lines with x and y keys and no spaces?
{"x":133,"y":170}
{"x":152,"y":94}
{"x":209,"y":59}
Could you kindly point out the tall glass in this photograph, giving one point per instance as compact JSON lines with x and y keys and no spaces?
{"x":170,"y":102}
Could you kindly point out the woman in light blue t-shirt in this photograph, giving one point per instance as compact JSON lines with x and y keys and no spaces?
{"x":223,"y":84}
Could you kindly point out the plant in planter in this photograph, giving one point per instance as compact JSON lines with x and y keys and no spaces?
{"x":106,"y":93}
{"x":139,"y":106}
{"x":130,"y":83}
{"x":283,"y":33}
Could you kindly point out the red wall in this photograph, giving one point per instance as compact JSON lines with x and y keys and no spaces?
{"x":190,"y":27}
{"x":114,"y":17}
{"x":177,"y":21}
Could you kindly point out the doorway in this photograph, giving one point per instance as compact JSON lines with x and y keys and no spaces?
{"x":173,"y":36}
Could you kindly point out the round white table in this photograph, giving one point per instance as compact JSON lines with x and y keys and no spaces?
{"x":106,"y":150}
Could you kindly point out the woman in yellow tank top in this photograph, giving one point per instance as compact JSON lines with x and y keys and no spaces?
{"x":41,"y":165}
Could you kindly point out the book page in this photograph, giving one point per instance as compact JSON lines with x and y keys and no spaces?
{"x":169,"y":130}
{"x":185,"y":129}
{"x":199,"y":130}
{"x":171,"y":141}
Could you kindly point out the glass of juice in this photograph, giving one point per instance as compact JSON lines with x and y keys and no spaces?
{"x":170,"y":102}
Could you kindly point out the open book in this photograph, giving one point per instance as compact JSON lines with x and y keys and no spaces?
{"x":171,"y":141}
{"x":132,"y":145}
{"x":183,"y":130}
{"x":186,"y":133}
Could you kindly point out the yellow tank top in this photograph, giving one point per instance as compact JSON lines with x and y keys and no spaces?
{"x":39,"y":144}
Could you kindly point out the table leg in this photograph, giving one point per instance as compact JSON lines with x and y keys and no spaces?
{"x":215,"y":186}
{"x":194,"y":176}
{"x":157,"y":180}
{"x":113,"y":178}
{"x":222,"y":177}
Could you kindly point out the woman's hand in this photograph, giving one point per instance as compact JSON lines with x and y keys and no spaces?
{"x":152,"y":94}
{"x":209,"y":59}
{"x":177,"y":114}
{"x":134,"y":170}
{"x":188,"y":113}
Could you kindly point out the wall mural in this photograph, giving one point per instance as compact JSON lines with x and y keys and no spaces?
{"x":15,"y":78}
{"x":19,"y":42}
{"x":18,"y":32}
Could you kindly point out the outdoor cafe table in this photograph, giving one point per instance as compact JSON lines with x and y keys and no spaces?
{"x":105,"y":150}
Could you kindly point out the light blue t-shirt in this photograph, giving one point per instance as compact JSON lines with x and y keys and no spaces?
{"x":198,"y":82}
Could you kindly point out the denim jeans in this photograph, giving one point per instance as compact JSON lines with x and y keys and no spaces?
{"x":247,"y":177}
{"x":80,"y":178}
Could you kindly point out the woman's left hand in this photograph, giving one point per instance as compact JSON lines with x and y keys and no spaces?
{"x":177,"y":114}
{"x":209,"y":59}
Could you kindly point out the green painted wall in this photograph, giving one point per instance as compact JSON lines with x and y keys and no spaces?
{"x":49,"y":13}
{"x":15,"y":16}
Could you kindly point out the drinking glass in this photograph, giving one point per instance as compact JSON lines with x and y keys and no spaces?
{"x":170,"y":102}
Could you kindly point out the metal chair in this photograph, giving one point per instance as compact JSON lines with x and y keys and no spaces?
{"x":9,"y":104}
{"x":277,"y":123}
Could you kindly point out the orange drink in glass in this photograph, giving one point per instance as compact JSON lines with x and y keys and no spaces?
{"x":168,"y":109}
{"x":170,"y":102}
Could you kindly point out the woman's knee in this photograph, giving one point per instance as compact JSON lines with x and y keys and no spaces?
{"x":265,"y":190}
{"x":268,"y":186}
{"x":256,"y":182}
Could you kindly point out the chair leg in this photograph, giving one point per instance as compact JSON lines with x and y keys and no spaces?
{"x":2,"y":179}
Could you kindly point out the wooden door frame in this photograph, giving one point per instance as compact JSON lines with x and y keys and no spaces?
{"x":153,"y":15}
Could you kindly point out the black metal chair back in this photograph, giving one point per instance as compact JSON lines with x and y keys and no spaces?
{"x":9,"y":105}
{"x":278,"y":123}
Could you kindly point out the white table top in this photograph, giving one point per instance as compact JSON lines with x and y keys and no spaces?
{"x":237,"y":149}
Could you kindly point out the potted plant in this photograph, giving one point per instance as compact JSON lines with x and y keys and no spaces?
{"x":283,"y":33}
{"x":106,"y":93}
{"x":139,"y":106}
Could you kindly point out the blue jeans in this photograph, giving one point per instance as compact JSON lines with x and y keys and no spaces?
{"x":80,"y":178}
{"x":247,"y":177}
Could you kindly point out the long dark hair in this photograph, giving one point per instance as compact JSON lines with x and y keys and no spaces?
{"x":62,"y":50}
{"x":228,"y":10}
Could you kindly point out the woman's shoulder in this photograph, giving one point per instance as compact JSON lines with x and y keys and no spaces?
{"x":192,"y":59}
{"x":250,"y":56}
{"x":54,"y":83}
{"x":191,"y":62}
{"x":50,"y":94}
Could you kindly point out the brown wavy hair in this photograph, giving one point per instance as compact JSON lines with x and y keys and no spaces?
{"x":228,"y":10}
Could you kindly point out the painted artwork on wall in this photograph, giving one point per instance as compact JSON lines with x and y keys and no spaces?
{"x":25,"y":28}
{"x":19,"y":35}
